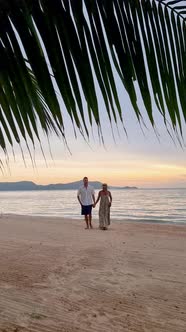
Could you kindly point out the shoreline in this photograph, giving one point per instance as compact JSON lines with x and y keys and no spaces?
{"x":56,"y":276}
{"x":113,"y":220}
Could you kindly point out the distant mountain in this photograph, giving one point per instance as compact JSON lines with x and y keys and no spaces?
{"x":29,"y":185}
{"x":126,"y":187}
{"x":22,"y":185}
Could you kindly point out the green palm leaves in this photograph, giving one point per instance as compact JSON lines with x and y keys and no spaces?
{"x":72,"y":46}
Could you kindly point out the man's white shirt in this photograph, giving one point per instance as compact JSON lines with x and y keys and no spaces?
{"x":85,"y":195}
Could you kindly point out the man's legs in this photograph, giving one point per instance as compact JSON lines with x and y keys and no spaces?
{"x":88,"y":216}
{"x":90,"y":220}
{"x":86,"y":220}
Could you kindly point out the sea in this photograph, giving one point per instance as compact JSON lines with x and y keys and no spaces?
{"x":149,"y":205}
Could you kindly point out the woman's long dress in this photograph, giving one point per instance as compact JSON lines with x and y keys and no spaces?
{"x":104,"y":211}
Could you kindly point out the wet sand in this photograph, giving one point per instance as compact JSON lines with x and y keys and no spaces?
{"x":57,"y":276}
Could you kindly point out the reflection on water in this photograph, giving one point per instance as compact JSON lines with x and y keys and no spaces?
{"x":142,"y":204}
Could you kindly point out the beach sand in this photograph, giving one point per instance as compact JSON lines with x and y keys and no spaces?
{"x":57,"y":276}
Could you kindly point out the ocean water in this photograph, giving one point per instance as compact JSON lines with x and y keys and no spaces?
{"x":151,"y":205}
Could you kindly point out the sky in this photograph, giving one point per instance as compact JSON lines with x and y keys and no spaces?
{"x":142,"y":158}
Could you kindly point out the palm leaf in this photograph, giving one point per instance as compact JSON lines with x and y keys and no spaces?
{"x":75,"y":47}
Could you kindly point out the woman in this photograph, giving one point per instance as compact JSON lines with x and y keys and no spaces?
{"x":105,"y":198}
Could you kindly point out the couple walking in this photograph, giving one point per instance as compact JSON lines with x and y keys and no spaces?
{"x":86,"y":198}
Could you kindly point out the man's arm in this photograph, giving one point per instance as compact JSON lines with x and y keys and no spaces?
{"x":93,"y":197}
{"x":78,"y":197}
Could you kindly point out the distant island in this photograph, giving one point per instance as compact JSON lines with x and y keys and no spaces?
{"x":29,"y":185}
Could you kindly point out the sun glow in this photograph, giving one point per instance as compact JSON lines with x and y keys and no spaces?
{"x":128,"y":172}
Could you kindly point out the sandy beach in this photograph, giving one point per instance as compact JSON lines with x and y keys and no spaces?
{"x":57,"y":276}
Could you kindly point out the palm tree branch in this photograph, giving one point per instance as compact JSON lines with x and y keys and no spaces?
{"x":82,"y":44}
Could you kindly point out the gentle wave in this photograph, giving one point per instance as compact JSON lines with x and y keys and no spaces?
{"x":165,"y":205}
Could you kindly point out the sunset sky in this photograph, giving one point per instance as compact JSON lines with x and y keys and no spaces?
{"x":141,"y":159}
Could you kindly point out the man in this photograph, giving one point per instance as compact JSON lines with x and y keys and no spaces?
{"x":86,"y":198}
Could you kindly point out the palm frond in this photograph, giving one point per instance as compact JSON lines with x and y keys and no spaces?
{"x":77,"y":46}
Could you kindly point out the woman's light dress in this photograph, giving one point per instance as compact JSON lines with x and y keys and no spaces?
{"x":104,"y":211}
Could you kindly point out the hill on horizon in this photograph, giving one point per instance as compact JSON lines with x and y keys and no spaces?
{"x":29,"y":185}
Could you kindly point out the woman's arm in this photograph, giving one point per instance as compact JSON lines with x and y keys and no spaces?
{"x":110,"y":196}
{"x":98,"y":198}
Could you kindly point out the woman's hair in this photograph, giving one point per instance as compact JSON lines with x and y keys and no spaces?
{"x":104,"y":184}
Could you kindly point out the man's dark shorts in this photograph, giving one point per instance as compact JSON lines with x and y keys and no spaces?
{"x":86,"y":209}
